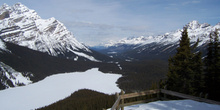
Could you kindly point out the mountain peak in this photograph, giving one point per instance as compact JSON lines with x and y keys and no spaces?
{"x":3,"y":8}
{"x":193,"y":25}
{"x":4,"y":5}
{"x":19,"y":6}
{"x":18,"y":11}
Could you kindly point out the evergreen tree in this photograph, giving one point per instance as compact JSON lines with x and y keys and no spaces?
{"x":209,"y":64}
{"x":179,"y":66}
{"x":185,"y":68}
{"x":212,"y":66}
{"x":216,"y":54}
{"x":173,"y":82}
{"x":197,"y":77}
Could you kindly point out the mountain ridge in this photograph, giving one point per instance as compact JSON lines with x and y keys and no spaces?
{"x":164,"y":46}
{"x":23,"y":26}
{"x":193,"y":27}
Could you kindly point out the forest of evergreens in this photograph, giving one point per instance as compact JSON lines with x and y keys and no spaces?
{"x":139,"y":76}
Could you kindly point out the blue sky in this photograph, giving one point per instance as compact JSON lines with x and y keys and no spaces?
{"x":98,"y":21}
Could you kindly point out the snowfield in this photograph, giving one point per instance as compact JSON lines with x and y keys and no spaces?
{"x":174,"y":105}
{"x":55,"y":88}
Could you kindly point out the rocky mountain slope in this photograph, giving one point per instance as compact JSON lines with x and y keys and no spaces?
{"x":23,"y":26}
{"x":161,"y":46}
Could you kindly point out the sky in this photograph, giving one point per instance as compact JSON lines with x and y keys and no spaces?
{"x":95,"y":22}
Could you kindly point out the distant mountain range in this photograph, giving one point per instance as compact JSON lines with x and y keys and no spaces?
{"x":158,"y":47}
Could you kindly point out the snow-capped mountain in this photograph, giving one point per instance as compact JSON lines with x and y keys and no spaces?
{"x":161,"y":45}
{"x":195,"y":31}
{"x":129,"y":41}
{"x":23,"y":26}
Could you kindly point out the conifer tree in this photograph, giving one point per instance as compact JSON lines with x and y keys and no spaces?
{"x":185,"y":68}
{"x":216,"y":53}
{"x":212,"y":66}
{"x":197,"y":77}
{"x":179,"y":66}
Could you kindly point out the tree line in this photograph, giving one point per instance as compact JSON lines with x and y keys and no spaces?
{"x":189,"y":73}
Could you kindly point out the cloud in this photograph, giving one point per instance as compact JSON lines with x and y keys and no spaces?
{"x":190,"y":2}
{"x":80,"y":11}
{"x":176,"y":6}
{"x":91,"y":25}
{"x":91,"y":33}
{"x":106,"y":27}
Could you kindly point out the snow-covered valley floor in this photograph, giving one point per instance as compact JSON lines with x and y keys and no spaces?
{"x":55,"y":88}
{"x":174,"y":105}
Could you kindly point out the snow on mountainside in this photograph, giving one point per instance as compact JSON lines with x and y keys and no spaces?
{"x":195,"y":31}
{"x":130,"y":41}
{"x":174,"y":105}
{"x":11,"y":78}
{"x":24,"y":27}
{"x":161,"y":46}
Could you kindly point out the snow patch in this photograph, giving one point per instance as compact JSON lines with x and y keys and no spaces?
{"x":2,"y":45}
{"x":75,"y":59}
{"x":15,"y":77}
{"x":83,"y":55}
{"x":119,"y":66}
{"x":174,"y":105}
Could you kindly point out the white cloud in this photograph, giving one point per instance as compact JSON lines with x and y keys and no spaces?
{"x":190,"y":2}
{"x":91,"y":33}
